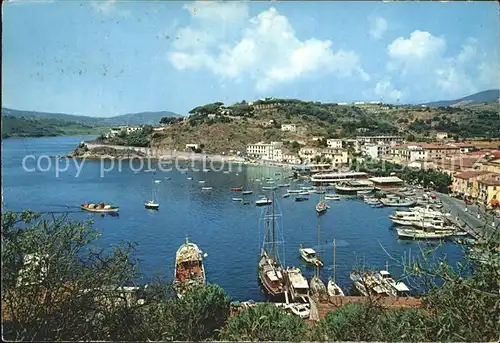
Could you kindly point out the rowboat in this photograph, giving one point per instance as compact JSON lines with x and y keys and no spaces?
{"x":237,"y":189}
{"x":101,"y":208}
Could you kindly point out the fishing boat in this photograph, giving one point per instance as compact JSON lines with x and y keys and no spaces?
{"x":263,"y":202}
{"x":237,"y":199}
{"x":271,"y":273}
{"x":206,"y":188}
{"x":237,"y":189}
{"x":412,"y":233}
{"x":332,"y":197}
{"x":99,"y":208}
{"x":301,"y":198}
{"x":367,"y":284}
{"x":353,"y":187}
{"x":286,"y":195}
{"x":189,"y":269}
{"x":246,"y":192}
{"x":321,"y":207}
{"x":309,"y":255}
{"x":396,"y":288}
{"x":332,"y":287}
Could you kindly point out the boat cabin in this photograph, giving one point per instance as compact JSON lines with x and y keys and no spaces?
{"x":299,"y":285}
{"x":399,"y":287}
{"x":310,"y":253}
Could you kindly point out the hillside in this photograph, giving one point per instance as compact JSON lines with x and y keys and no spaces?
{"x":226,"y":128}
{"x":44,"y":127}
{"x":143,"y":118}
{"x":486,"y":97}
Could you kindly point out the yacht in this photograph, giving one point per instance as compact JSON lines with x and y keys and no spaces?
{"x":353,"y":187}
{"x":298,"y":286}
{"x":367,"y":284}
{"x":396,"y":288}
{"x":309,"y":255}
{"x":412,"y":233}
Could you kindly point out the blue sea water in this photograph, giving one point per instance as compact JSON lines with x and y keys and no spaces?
{"x":229,"y":232}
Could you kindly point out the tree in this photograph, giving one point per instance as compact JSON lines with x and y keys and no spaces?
{"x":264,"y":323}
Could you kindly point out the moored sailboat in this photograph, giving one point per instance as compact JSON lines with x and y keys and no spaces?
{"x":316,"y":285}
{"x":333,"y":288}
{"x":271,"y":273}
{"x":152,"y":204}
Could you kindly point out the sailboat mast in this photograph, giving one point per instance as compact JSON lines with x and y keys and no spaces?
{"x":318,"y":255}
{"x":274,"y":238}
{"x":334,"y":261}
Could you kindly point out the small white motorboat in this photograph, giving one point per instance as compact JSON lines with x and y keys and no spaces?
{"x":151,"y":205}
{"x":201,"y":181}
{"x":237,"y":199}
{"x":286,"y":195}
{"x":206,"y":188}
{"x":157,"y":181}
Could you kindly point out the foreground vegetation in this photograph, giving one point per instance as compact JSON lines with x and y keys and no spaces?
{"x":45,"y":127}
{"x":66,"y":296}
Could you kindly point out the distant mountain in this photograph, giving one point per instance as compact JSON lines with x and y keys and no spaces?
{"x":488,"y":97}
{"x":143,"y":118}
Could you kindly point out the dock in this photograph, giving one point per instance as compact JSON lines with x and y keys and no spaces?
{"x":336,"y":302}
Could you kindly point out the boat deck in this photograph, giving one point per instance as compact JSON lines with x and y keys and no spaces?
{"x":188,"y":270}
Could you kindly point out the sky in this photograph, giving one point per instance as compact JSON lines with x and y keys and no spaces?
{"x":111,"y":57}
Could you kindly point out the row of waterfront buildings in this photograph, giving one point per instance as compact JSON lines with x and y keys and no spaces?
{"x":475,"y":171}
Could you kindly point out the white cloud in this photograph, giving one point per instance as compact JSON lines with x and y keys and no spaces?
{"x":385,"y":90}
{"x":489,"y":73}
{"x":264,"y":48}
{"x":378,"y":26}
{"x":422,"y":61}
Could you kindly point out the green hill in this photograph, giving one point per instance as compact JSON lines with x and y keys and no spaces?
{"x":485,"y":97}
{"x":143,"y":118}
{"x":225,"y":128}
{"x":42,"y":127}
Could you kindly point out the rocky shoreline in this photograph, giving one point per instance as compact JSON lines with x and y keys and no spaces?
{"x":98,"y":153}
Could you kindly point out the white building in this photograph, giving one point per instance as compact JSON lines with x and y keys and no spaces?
{"x":391,"y":140}
{"x":409,"y":153}
{"x":266,"y":151}
{"x":334,"y":143}
{"x":289,"y":127}
{"x":121,"y":129}
{"x":376,"y":151}
{"x":192,"y":146}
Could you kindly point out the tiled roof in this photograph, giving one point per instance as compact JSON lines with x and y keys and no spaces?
{"x":470,"y":174}
{"x":493,"y":181}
